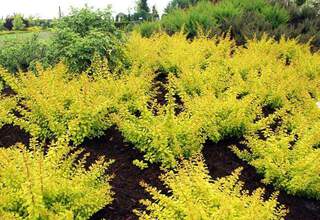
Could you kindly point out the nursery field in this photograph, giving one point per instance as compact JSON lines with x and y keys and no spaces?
{"x":211,"y":112}
{"x":249,"y":120}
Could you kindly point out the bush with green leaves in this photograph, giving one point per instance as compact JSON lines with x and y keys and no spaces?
{"x":22,"y":53}
{"x":194,"y":195}
{"x":18,"y":23}
{"x":51,"y":185}
{"x":83,"y":33}
{"x":247,"y":19}
{"x":2,"y":27}
{"x":210,"y":17}
{"x":148,"y":28}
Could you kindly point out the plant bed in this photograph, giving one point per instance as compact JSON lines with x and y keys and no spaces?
{"x":127,"y":177}
{"x":221,"y":162}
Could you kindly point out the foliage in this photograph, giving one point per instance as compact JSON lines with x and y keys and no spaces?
{"x":22,"y":53}
{"x":55,"y":185}
{"x":83,"y":20}
{"x":142,"y":5}
{"x":82,"y":34}
{"x":183,"y":4}
{"x":155,"y":15}
{"x":163,"y":137}
{"x":18,"y":23}
{"x":51,"y":105}
{"x":7,"y":104}
{"x":142,"y":11}
{"x":246,"y":19}
{"x":211,"y":17}
{"x":194,"y":195}
{"x":2,"y":27}
{"x":223,"y":96}
{"x":148,"y":28}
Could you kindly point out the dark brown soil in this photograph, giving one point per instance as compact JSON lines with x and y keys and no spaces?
{"x":221,"y":161}
{"x":219,"y":158}
{"x":7,"y":91}
{"x":127,"y":177}
{"x":10,"y":135}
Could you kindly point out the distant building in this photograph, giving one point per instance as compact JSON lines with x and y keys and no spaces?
{"x":121,"y":17}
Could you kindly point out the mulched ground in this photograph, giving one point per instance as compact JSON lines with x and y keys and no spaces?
{"x":220,"y":161}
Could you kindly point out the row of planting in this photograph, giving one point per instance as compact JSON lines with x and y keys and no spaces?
{"x":264,"y":92}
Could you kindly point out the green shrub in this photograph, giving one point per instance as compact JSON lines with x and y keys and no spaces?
{"x":225,"y":10}
{"x":200,"y":18}
{"x":18,"y":23}
{"x":83,"y":20}
{"x":2,"y":27}
{"x":22,"y":53}
{"x":196,"y":196}
{"x":223,"y":16}
{"x":84,"y":33}
{"x":174,"y":22}
{"x":148,"y":28}
{"x":276,"y":16}
{"x":55,"y":185}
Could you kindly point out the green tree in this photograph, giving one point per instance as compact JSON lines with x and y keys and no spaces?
{"x":155,"y":14}
{"x":142,"y":11}
{"x":17,"y":22}
{"x":143,"y":6}
{"x":33,"y":21}
{"x":174,"y":4}
{"x":2,"y":22}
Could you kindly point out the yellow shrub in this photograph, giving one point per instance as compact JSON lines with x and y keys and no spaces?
{"x":52,"y":105}
{"x":7,"y":104}
{"x":194,"y":195}
{"x":52,"y":186}
{"x":264,"y":89}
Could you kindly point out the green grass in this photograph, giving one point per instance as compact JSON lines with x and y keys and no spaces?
{"x":43,"y":35}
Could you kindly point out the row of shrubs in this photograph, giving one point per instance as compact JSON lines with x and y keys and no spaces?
{"x":58,"y":186}
{"x":222,"y":96}
{"x":86,"y":32}
{"x":243,"y":19}
{"x":234,"y":92}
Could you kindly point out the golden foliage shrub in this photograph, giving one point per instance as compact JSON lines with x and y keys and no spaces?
{"x":7,"y":104}
{"x":194,"y":195}
{"x":52,"y":105}
{"x":55,"y":185}
{"x":164,"y":137}
{"x":265,"y":91}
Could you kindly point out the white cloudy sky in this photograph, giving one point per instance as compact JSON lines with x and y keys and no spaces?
{"x":49,"y":8}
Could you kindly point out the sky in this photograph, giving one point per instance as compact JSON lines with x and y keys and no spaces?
{"x":49,"y":8}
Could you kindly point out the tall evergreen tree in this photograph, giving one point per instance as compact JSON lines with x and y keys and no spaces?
{"x":155,"y":14}
{"x":142,"y":10}
{"x":143,"y":6}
